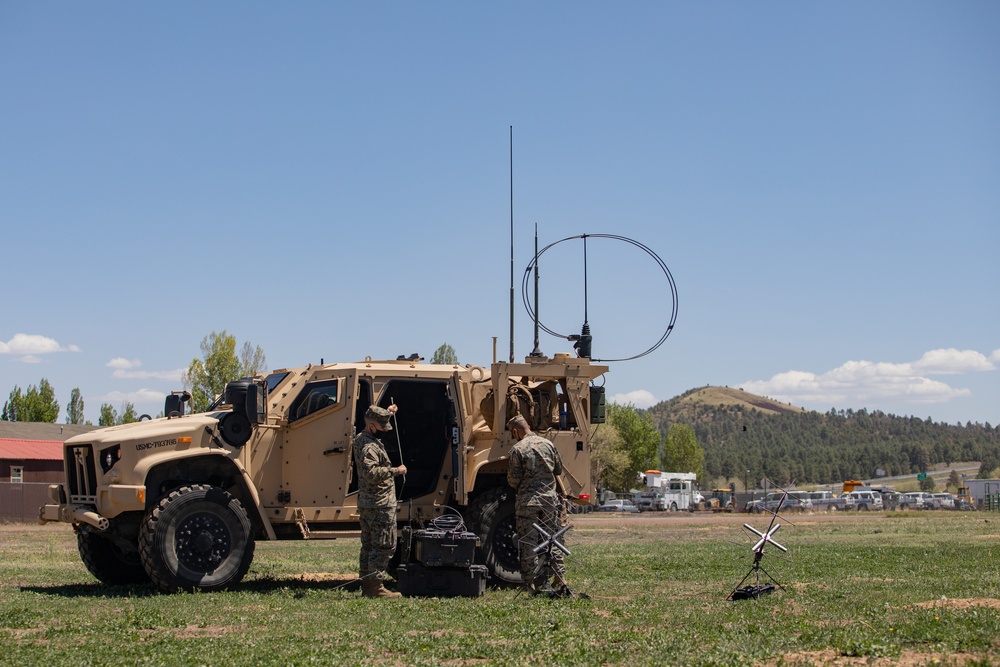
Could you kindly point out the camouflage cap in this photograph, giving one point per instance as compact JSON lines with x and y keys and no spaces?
{"x":380,"y":416}
{"x":519,"y":421}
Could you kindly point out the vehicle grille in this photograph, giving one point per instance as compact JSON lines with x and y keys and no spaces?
{"x":81,"y":474}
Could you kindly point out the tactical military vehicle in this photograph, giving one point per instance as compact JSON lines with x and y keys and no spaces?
{"x":181,"y":500}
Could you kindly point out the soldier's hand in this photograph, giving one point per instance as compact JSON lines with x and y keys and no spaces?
{"x":392,"y":409}
{"x":401,"y":470}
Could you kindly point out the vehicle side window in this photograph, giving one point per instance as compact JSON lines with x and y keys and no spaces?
{"x":314,"y":397}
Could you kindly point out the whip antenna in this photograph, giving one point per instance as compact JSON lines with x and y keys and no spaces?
{"x":511,"y":244}
{"x":536,"y":352}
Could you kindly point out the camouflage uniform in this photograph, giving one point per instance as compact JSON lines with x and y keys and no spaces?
{"x":376,"y":505}
{"x":533,"y":468}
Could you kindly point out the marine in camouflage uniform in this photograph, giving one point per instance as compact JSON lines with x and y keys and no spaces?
{"x":376,"y":502}
{"x":532,"y":471}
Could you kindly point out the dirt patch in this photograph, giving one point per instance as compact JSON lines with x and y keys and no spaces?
{"x":315,"y":577}
{"x":197,"y":631}
{"x":960,"y":604}
{"x":831,"y":658}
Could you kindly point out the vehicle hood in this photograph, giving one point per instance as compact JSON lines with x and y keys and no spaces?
{"x":154,"y":429}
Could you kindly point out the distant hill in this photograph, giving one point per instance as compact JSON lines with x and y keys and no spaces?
{"x":695,"y":400}
{"x":740,"y":431}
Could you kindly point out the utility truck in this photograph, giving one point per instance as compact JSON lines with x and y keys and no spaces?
{"x":182,"y":500}
{"x":668,"y":491}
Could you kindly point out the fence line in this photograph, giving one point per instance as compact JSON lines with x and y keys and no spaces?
{"x":19,"y":503}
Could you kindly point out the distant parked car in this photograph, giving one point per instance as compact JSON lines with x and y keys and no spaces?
{"x":792,"y":502}
{"x":946,"y":501}
{"x":918,"y":500}
{"x":891,"y":499}
{"x":650,"y":501}
{"x":866,"y":500}
{"x":618,"y":506}
{"x":825,"y":501}
{"x":754,"y":506}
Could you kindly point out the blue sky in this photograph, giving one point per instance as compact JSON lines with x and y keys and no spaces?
{"x":332,"y":180}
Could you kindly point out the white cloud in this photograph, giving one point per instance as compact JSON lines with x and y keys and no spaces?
{"x":857,"y":382}
{"x":123,"y":363}
{"x":640,"y":398}
{"x":29,"y":346}
{"x":170,"y":376}
{"x":125,"y":370}
{"x":952,"y":361}
{"x":140,"y":397}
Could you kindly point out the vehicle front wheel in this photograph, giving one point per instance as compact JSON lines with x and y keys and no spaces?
{"x":197,"y":537}
{"x":491,"y":517}
{"x":107,"y":561}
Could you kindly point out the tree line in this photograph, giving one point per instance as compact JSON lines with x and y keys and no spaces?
{"x":39,"y":404}
{"x":825,"y":448}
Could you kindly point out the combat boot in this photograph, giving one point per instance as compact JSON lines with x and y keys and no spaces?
{"x":539,"y":585}
{"x":373,"y":588}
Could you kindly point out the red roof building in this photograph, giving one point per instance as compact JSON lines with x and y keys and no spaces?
{"x":30,"y":460}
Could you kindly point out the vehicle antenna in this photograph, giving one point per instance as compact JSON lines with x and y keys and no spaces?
{"x":511,"y":244}
{"x":536,"y":352}
{"x":399,"y":440}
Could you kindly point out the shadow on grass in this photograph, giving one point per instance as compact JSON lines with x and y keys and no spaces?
{"x":264,"y":585}
{"x":94,"y":590}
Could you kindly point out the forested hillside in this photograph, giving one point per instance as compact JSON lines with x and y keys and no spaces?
{"x":740,"y":431}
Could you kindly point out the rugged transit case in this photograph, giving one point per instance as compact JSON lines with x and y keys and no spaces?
{"x":437,"y":548}
{"x":414,"y":579}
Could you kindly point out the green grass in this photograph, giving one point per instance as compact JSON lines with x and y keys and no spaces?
{"x":906,"y":588}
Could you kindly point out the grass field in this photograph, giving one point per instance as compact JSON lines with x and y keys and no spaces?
{"x":914,"y":588}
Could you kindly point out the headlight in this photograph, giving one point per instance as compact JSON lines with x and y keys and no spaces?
{"x":109,"y":457}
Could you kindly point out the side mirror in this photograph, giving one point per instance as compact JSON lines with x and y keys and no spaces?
{"x":173,"y":406}
{"x":248,"y":398}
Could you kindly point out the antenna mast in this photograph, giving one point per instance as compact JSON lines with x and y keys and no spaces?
{"x":536,"y":352}
{"x":511,"y":244}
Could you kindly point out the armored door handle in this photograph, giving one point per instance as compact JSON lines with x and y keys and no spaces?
{"x":334,"y":450}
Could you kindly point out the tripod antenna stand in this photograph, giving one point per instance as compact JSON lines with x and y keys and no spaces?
{"x":767,"y":537}
{"x":548,"y":573}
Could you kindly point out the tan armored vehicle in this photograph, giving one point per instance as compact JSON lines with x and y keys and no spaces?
{"x":181,"y":500}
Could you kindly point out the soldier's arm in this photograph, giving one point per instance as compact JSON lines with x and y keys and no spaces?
{"x":515,"y":470}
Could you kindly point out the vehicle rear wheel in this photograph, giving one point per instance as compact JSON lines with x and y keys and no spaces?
{"x":673,"y":507}
{"x":197,"y":537}
{"x":491,"y":517}
{"x":831,"y":508}
{"x":107,"y":561}
{"x":862,"y":507}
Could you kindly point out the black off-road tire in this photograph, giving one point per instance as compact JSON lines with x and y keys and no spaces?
{"x":198,"y":537}
{"x":108,"y":561}
{"x":491,"y":517}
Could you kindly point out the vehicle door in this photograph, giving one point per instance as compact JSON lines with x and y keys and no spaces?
{"x":316,"y":442}
{"x":427,"y":436}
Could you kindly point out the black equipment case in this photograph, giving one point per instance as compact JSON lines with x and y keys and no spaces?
{"x":414,"y":579}
{"x":438,"y":548}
